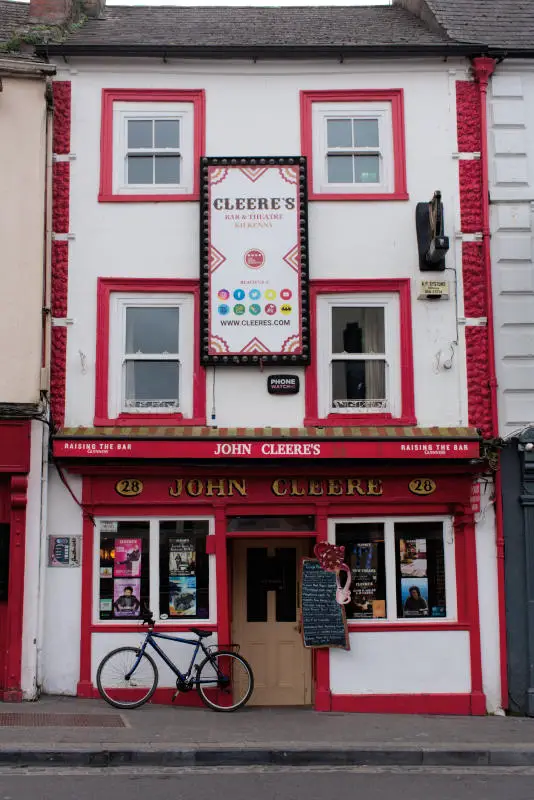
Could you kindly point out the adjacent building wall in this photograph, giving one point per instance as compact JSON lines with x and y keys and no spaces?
{"x":22,"y":167}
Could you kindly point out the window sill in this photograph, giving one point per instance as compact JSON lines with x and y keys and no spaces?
{"x":359,"y":196}
{"x":170,"y":626}
{"x":359,"y":420}
{"x":149,"y":198}
{"x":428,"y":624}
{"x":140,"y":420}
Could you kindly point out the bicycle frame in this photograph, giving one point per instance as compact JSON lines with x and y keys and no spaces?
{"x":184,"y":677}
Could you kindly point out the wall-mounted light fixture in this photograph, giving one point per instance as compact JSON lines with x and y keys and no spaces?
{"x":432,"y":243}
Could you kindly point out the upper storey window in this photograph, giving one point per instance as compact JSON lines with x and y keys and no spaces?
{"x":355,"y":144}
{"x":151,"y":144}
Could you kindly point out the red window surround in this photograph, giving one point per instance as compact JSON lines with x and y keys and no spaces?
{"x":352,"y":286}
{"x":110,"y":96}
{"x":393,"y":96}
{"x":153,"y":285}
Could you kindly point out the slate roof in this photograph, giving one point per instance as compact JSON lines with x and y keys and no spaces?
{"x":291,"y":30}
{"x":506,"y":24}
{"x":12,"y":17}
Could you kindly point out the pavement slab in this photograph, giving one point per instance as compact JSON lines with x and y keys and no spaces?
{"x":90,"y":732}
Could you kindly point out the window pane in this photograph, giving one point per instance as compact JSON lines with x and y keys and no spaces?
{"x":124,"y":571}
{"x":258,"y":582}
{"x":184,"y":569}
{"x":359,"y":385}
{"x":167,"y":169}
{"x":367,"y":169}
{"x":152,"y":384}
{"x":420,"y":569}
{"x":340,"y":169}
{"x":286,"y":594}
{"x":139,"y":133}
{"x":358,"y":330}
{"x":167,"y":133}
{"x":282,"y":524}
{"x":338,"y":133}
{"x":152,"y":330}
{"x":365,"y":555}
{"x":365,"y":132}
{"x":140,"y":169}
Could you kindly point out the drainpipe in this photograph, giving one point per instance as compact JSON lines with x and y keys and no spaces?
{"x":483,"y":69}
{"x":47,"y":321}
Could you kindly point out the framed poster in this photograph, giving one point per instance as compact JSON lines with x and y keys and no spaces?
{"x":254,"y":261}
{"x":64,"y":551}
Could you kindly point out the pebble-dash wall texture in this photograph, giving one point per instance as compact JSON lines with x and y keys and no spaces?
{"x":60,"y":249}
{"x":474,"y":278}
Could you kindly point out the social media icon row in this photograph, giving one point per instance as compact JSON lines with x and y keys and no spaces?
{"x":254,"y":294}
{"x":254,"y":309}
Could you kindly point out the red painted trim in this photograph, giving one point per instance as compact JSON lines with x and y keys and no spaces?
{"x":354,"y":286}
{"x":15,"y":436}
{"x":222,"y":577}
{"x":393,"y":96}
{"x":450,"y":704}
{"x":464,"y":527}
{"x":10,"y":681}
{"x":105,"y":287}
{"x":162,"y":696}
{"x":111,"y":96}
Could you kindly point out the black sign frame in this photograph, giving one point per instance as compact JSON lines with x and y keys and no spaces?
{"x":330,"y":576}
{"x":210,"y":359}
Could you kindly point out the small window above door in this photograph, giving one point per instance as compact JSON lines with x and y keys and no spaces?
{"x":289,"y":524}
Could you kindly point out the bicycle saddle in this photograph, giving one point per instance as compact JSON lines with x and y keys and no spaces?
{"x":201,"y":634}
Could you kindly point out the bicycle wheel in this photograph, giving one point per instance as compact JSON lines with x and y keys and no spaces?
{"x":119,"y":691}
{"x":225,"y":681}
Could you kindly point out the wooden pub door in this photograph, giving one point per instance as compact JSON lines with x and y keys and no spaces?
{"x":265,"y":595}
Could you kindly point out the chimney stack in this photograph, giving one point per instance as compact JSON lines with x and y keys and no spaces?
{"x":60,"y":12}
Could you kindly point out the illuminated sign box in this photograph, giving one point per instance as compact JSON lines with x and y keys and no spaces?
{"x":254,"y":261}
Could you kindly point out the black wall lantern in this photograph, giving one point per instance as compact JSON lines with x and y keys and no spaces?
{"x":431,"y":241}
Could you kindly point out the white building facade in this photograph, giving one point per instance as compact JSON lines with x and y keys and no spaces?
{"x":170,"y":448}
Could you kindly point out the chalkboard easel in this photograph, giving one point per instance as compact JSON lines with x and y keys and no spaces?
{"x":324,"y":623}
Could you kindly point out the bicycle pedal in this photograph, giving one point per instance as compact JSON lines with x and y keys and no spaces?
{"x":175,"y":695}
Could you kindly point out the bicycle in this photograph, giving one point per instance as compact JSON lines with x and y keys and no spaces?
{"x":128,"y":676}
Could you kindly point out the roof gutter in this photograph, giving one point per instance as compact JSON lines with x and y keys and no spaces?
{"x":261,"y":52}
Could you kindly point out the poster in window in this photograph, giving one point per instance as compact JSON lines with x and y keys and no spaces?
{"x":414,"y":597}
{"x":182,"y":556}
{"x":183,"y":596}
{"x":364,"y":569}
{"x":254,"y":260}
{"x":127,"y":558}
{"x":413,"y":558}
{"x":126,"y":594}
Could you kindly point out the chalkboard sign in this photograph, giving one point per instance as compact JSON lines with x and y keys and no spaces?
{"x":323,"y":619}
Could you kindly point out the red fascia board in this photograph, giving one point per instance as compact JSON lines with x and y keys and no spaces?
{"x":267,"y":450}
